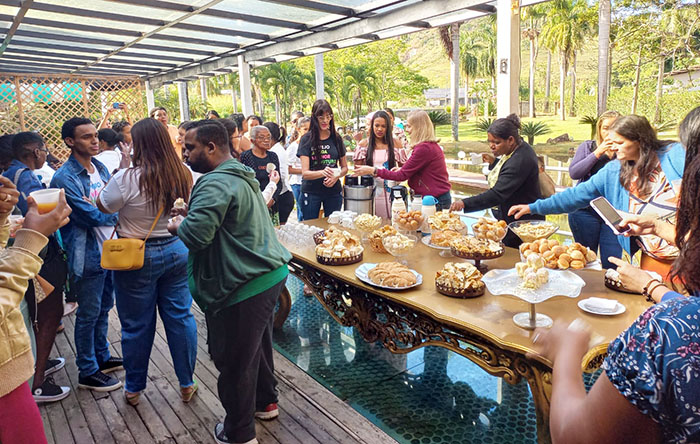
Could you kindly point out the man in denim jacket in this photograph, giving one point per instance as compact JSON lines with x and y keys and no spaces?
{"x":82,"y":178}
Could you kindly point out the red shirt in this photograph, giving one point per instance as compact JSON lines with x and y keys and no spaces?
{"x":425,"y":171}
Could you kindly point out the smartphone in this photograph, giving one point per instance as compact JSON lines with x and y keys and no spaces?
{"x":116,"y":105}
{"x":609,"y":214}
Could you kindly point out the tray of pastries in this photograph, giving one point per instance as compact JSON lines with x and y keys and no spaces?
{"x":445,"y":220}
{"x":459,"y":280}
{"x":471,"y":247}
{"x":490,"y":229}
{"x":339,"y":247}
{"x":375,"y":239}
{"x":409,"y":220}
{"x":441,"y":239}
{"x":389,"y":275}
{"x":560,"y":257}
{"x":530,"y":230}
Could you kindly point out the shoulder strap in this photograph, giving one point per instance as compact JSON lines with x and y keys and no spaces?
{"x":153,"y":226}
{"x":17,"y":174}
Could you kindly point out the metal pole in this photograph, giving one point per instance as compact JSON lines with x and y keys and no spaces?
{"x":150,"y":97}
{"x":20,"y":111}
{"x":183,"y":101}
{"x":508,"y":56}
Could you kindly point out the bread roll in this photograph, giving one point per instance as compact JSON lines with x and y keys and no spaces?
{"x":563,"y":263}
{"x":577,"y":255}
{"x":552,"y":243}
{"x":559,"y":250}
{"x":543,"y":247}
{"x":547,"y":255}
{"x":577,"y":265}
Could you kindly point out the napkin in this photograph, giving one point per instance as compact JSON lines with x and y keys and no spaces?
{"x":601,"y":305}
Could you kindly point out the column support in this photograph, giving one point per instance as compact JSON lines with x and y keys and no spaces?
{"x":318,"y":62}
{"x":246,"y":96}
{"x":183,"y":101}
{"x":203,"y":88}
{"x":150,"y":97}
{"x":508,"y":57}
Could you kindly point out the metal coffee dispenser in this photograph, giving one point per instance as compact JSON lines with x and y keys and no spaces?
{"x":359,"y":194}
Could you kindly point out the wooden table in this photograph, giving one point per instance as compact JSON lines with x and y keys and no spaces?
{"x":481,"y":329}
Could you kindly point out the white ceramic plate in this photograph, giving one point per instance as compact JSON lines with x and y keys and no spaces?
{"x":426,"y":241}
{"x":363,"y":269}
{"x":619,"y":309}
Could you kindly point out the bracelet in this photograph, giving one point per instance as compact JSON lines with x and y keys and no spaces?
{"x":646,"y":291}
{"x":651,"y":291}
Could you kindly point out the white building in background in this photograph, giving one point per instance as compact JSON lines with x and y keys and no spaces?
{"x":687,"y":78}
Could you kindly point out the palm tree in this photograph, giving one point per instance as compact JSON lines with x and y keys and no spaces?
{"x":449,"y":36}
{"x":604,"y":19}
{"x":282,"y":80}
{"x":470,"y":48}
{"x":360,"y":83}
{"x":564,"y":31}
{"x":532,"y":33}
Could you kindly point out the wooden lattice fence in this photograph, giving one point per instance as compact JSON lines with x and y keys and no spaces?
{"x":42,"y":102}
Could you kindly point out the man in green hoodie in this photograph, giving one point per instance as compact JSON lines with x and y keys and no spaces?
{"x":237,"y":269}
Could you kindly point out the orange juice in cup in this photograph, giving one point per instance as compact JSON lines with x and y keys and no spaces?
{"x":46,"y":200}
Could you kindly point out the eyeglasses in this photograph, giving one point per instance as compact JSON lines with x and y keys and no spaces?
{"x":325,"y":117}
{"x":264,"y":139}
{"x":44,"y":149}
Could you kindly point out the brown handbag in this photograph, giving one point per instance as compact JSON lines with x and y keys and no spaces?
{"x":125,"y":254}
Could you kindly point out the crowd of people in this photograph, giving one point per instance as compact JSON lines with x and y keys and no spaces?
{"x":204,"y":198}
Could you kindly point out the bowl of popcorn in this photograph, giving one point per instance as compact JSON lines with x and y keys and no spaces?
{"x":409,"y":220}
{"x":531,"y":230}
{"x":399,"y":245}
{"x":367,"y":223}
{"x":494,"y":230}
{"x":459,"y":280}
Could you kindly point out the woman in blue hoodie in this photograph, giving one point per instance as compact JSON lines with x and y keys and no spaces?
{"x":644,"y":179}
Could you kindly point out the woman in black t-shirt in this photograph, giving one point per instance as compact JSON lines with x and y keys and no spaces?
{"x":323,"y":163}
{"x":258,"y":158}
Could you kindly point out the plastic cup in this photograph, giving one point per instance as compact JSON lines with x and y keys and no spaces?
{"x":476,"y":158}
{"x":46,"y":200}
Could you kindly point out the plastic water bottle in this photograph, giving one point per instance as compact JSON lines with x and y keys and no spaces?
{"x":428,"y":208}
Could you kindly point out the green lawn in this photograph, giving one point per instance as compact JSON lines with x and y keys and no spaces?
{"x":468,"y":131}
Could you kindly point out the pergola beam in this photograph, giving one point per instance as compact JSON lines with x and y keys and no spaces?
{"x":317,"y":6}
{"x":77,"y":57}
{"x":15,"y":24}
{"x":218,"y":13}
{"x":155,"y":31}
{"x":421,"y":11}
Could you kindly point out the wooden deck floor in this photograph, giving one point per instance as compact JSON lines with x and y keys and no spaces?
{"x":309,"y":413}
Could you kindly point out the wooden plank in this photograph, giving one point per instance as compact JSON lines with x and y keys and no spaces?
{"x":329,"y":404}
{"x":132,"y":419}
{"x":115,"y":421}
{"x":47,"y":425}
{"x":78,"y":425}
{"x":93,"y":416}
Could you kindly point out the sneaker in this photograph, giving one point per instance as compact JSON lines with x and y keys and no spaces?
{"x":221,"y":437}
{"x":99,"y":382}
{"x":111,"y":365}
{"x":50,"y":392}
{"x":270,"y":412}
{"x":69,"y":308}
{"x":54,"y":365}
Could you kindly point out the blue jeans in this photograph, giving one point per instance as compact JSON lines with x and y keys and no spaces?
{"x":95,"y":299}
{"x":311,"y":204}
{"x":161,"y":283}
{"x":590,"y":230}
{"x":296,"y":190}
{"x":444,"y":201}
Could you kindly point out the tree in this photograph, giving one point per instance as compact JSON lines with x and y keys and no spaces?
{"x":469,"y":51}
{"x":283,"y":81}
{"x":604,"y":19}
{"x":449,"y":36}
{"x":534,"y":14}
{"x":568,"y":22}
{"x":360,"y":82}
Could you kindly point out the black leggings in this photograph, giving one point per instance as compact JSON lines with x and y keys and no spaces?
{"x":285,"y":205}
